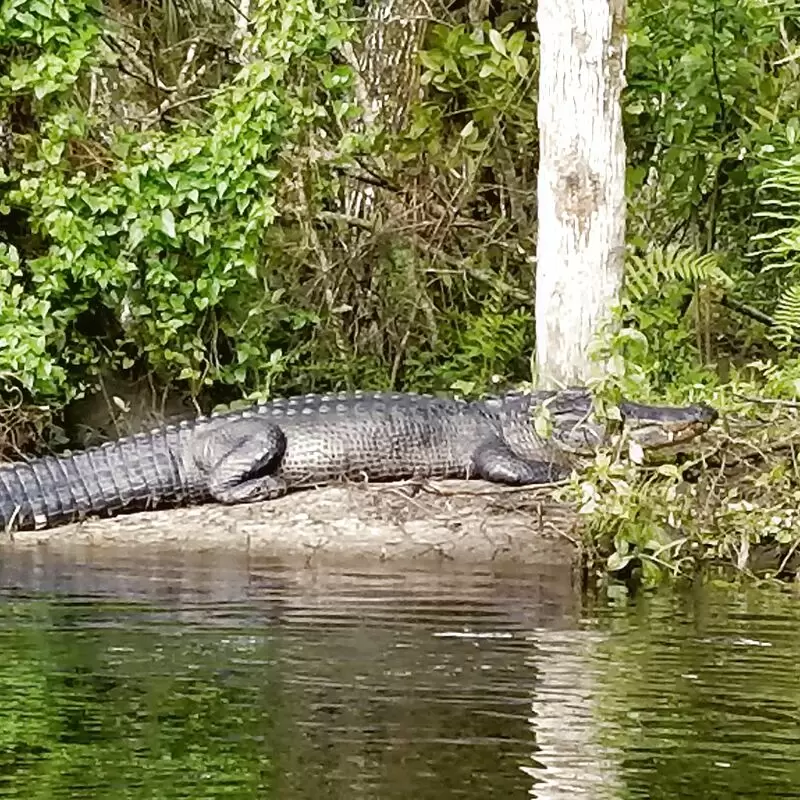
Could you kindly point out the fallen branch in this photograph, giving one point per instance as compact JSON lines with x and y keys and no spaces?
{"x":753,"y":313}
{"x":767,"y":401}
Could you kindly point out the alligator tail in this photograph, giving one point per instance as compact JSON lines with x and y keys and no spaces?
{"x":133,"y":473}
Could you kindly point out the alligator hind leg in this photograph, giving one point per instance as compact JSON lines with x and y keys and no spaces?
{"x":495,"y":461}
{"x":240,"y":460}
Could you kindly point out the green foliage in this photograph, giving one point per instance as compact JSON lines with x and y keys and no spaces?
{"x":51,"y":43}
{"x":636,"y":523}
{"x":712,"y":126}
{"x":780,"y":205}
{"x":26,"y":324}
{"x":646,"y":275}
{"x":778,"y":380}
{"x":787,"y":313}
{"x":779,"y":244}
{"x":174,"y":219}
{"x":640,"y":518}
{"x":702,"y":76}
{"x":163,"y":240}
{"x":476,"y":73}
{"x":489,"y":344}
{"x":666,"y":291}
{"x":472,"y":141}
{"x":477,"y":122}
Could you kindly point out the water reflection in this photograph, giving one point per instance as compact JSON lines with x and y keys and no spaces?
{"x":700,"y":694}
{"x":570,"y":759}
{"x":173,"y":676}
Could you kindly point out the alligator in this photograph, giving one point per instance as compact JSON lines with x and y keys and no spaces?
{"x":264,"y":451}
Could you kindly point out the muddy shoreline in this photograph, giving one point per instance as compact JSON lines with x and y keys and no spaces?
{"x":467,"y":522}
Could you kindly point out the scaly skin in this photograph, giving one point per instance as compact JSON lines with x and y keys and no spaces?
{"x":262,"y":452}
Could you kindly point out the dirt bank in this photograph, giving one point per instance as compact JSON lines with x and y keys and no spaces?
{"x":461,"y":521}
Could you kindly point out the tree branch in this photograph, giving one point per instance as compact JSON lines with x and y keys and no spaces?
{"x":753,"y":313}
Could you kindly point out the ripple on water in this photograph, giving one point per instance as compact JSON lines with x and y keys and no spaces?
{"x":175,"y":676}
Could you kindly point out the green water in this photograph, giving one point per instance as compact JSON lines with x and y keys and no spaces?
{"x":165,"y":677}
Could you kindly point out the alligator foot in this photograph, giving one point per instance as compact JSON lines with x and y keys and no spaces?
{"x":495,"y":461}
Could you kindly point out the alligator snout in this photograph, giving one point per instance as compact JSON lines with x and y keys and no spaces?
{"x":665,"y":426}
{"x":635,"y":412}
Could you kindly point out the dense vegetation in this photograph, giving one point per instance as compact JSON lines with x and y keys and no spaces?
{"x":175,"y":182}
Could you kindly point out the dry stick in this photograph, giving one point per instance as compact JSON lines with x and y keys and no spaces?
{"x":794,"y":463}
{"x":576,"y":542}
{"x":766,"y":401}
{"x":444,"y":491}
{"x":743,"y":553}
{"x":182,"y":83}
{"x":788,"y":556}
{"x":348,"y":219}
{"x":166,"y":106}
{"x":125,"y":48}
{"x":754,"y":450}
{"x":714,"y":483}
{"x":410,"y":498}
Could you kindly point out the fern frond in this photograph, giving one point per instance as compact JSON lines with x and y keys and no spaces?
{"x":787,"y":314}
{"x":646,"y":274}
{"x":779,"y":207}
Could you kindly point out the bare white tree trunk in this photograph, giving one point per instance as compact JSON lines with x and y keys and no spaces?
{"x":581,"y":189}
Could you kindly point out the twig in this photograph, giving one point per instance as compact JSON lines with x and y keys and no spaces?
{"x":562,"y":534}
{"x":786,"y":558}
{"x":348,"y":219}
{"x":767,"y":401}
{"x":122,"y":46}
{"x":183,"y":82}
{"x":495,"y":489}
{"x":166,"y":107}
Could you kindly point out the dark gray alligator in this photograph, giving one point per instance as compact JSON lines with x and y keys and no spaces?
{"x":262,"y":452}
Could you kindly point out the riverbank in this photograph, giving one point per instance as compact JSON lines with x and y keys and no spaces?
{"x":728,"y":505}
{"x":469,"y":522}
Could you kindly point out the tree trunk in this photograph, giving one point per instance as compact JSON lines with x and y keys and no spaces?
{"x":387,"y":76}
{"x":581,"y":187}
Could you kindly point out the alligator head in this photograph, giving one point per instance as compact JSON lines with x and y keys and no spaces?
{"x":568,"y":415}
{"x":652,"y":427}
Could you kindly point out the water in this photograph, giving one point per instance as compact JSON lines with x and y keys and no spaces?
{"x":168,"y":676}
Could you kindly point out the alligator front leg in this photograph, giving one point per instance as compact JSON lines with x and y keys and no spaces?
{"x":240,"y":458}
{"x":495,"y":461}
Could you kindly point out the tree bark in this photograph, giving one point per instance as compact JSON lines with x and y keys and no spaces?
{"x":581,"y":186}
{"x":387,"y":78}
